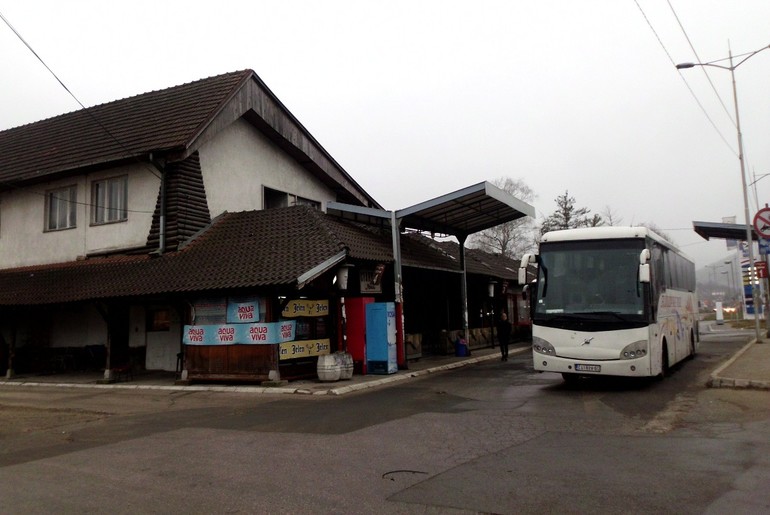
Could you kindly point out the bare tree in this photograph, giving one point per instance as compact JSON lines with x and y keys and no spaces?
{"x":567,"y":216}
{"x":610,"y":216}
{"x":511,"y":239}
{"x":657,"y":230}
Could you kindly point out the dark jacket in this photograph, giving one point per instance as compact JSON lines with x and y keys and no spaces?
{"x":504,"y":330}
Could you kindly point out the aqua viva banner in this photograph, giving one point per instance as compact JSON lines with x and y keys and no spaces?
{"x":267,"y":333}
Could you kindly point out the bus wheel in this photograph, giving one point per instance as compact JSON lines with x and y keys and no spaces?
{"x":692,"y":345}
{"x":664,"y":369}
{"x":570,"y":379}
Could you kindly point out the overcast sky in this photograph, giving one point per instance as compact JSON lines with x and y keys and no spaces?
{"x":416,"y":98}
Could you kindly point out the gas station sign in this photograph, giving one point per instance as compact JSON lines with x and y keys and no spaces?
{"x":761,"y":268}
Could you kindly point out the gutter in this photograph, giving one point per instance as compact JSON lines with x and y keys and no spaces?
{"x":322,"y":267}
{"x":162,"y":217}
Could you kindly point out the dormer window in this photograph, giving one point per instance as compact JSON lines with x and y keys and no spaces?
{"x":275,"y":199}
{"x":60,"y":208}
{"x":109,"y":199}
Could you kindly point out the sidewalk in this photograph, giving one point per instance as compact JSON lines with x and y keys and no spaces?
{"x":749,"y":368}
{"x":167,"y":380}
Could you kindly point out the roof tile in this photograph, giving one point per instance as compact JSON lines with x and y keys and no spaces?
{"x":158,"y":120}
{"x":247,"y":249}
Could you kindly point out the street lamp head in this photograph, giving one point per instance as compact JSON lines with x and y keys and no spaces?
{"x":682,"y":66}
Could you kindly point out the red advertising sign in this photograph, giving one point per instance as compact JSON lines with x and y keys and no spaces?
{"x":761,"y":268}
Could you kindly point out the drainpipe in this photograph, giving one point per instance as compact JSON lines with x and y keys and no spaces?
{"x":162,"y":218}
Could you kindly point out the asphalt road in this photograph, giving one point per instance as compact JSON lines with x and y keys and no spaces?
{"x":493,"y":438}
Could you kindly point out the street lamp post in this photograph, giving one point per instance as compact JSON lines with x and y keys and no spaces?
{"x":731,"y":282}
{"x":732,"y":278}
{"x":749,"y":239}
{"x":754,"y":183}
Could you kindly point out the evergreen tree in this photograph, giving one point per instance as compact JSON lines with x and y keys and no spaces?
{"x":568,"y":216}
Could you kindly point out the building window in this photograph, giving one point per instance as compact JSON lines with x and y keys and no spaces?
{"x":299,"y":201}
{"x":158,"y":319}
{"x":276,"y":198}
{"x":60,"y":205}
{"x":108,"y":200}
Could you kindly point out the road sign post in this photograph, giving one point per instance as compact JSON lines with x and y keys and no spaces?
{"x":762,"y":222}
{"x":762,"y":226}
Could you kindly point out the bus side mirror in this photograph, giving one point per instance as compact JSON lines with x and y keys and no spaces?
{"x":644,"y":266}
{"x":525,"y":262}
{"x":644,"y":273}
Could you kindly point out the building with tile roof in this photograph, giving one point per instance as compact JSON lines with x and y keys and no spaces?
{"x":125,"y":223}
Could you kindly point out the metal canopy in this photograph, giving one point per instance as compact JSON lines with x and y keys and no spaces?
{"x":461,"y":213}
{"x":466,"y":211}
{"x":709,"y":230}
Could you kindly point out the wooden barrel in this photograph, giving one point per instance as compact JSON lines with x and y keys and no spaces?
{"x":346,"y":365}
{"x":328,"y":368}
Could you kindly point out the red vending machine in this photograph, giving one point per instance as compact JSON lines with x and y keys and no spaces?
{"x":355,"y":323}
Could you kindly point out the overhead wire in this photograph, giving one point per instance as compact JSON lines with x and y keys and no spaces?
{"x":727,"y":111}
{"x":687,"y":84}
{"x":692,"y":92}
{"x":85,"y":109}
{"x":703,"y":68}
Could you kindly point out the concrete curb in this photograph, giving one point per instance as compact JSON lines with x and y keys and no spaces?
{"x":300,"y":390}
{"x":716,"y":381}
{"x":402,"y":377}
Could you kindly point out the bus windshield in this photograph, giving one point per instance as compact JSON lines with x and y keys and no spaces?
{"x":590,"y":277}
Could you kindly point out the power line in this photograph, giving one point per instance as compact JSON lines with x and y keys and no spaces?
{"x":697,"y":57}
{"x":87,"y":111}
{"x":77,"y":203}
{"x":705,"y":71}
{"x":694,"y":96}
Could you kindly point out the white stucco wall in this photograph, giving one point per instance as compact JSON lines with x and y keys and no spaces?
{"x":24,"y":241}
{"x":240,"y":160}
{"x":81,"y":325}
{"x":163,"y":346}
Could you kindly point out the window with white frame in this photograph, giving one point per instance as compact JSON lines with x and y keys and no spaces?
{"x":109,"y":199}
{"x":61,"y":208}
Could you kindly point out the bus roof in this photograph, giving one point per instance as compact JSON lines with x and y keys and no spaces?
{"x":603,"y":233}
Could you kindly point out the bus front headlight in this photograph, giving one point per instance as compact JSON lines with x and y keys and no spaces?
{"x":634,"y":350}
{"x":542,"y":346}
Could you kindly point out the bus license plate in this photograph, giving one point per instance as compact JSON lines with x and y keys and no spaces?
{"x":588,"y":368}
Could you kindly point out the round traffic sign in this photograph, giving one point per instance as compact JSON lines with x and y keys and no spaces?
{"x":762,"y":222}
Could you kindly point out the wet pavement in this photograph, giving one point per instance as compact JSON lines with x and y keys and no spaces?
{"x":168,"y":380}
{"x":748,"y":368}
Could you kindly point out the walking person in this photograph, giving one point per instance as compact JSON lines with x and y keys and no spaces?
{"x":503,"y":335}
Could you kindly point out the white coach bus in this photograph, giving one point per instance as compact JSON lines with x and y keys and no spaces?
{"x":616,"y":301}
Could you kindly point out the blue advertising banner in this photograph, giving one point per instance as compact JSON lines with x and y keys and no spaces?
{"x":245,"y":310}
{"x":230,"y":334}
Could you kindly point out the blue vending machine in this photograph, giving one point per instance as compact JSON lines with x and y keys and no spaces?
{"x":381,"y":357}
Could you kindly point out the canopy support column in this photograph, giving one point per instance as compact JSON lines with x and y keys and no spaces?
{"x":464,"y":289}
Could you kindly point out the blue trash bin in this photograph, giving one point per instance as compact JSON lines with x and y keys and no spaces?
{"x":461,"y":347}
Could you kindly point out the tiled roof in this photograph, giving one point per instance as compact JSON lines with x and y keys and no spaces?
{"x":155,"y":121}
{"x":483,"y":263}
{"x":239,"y":250}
